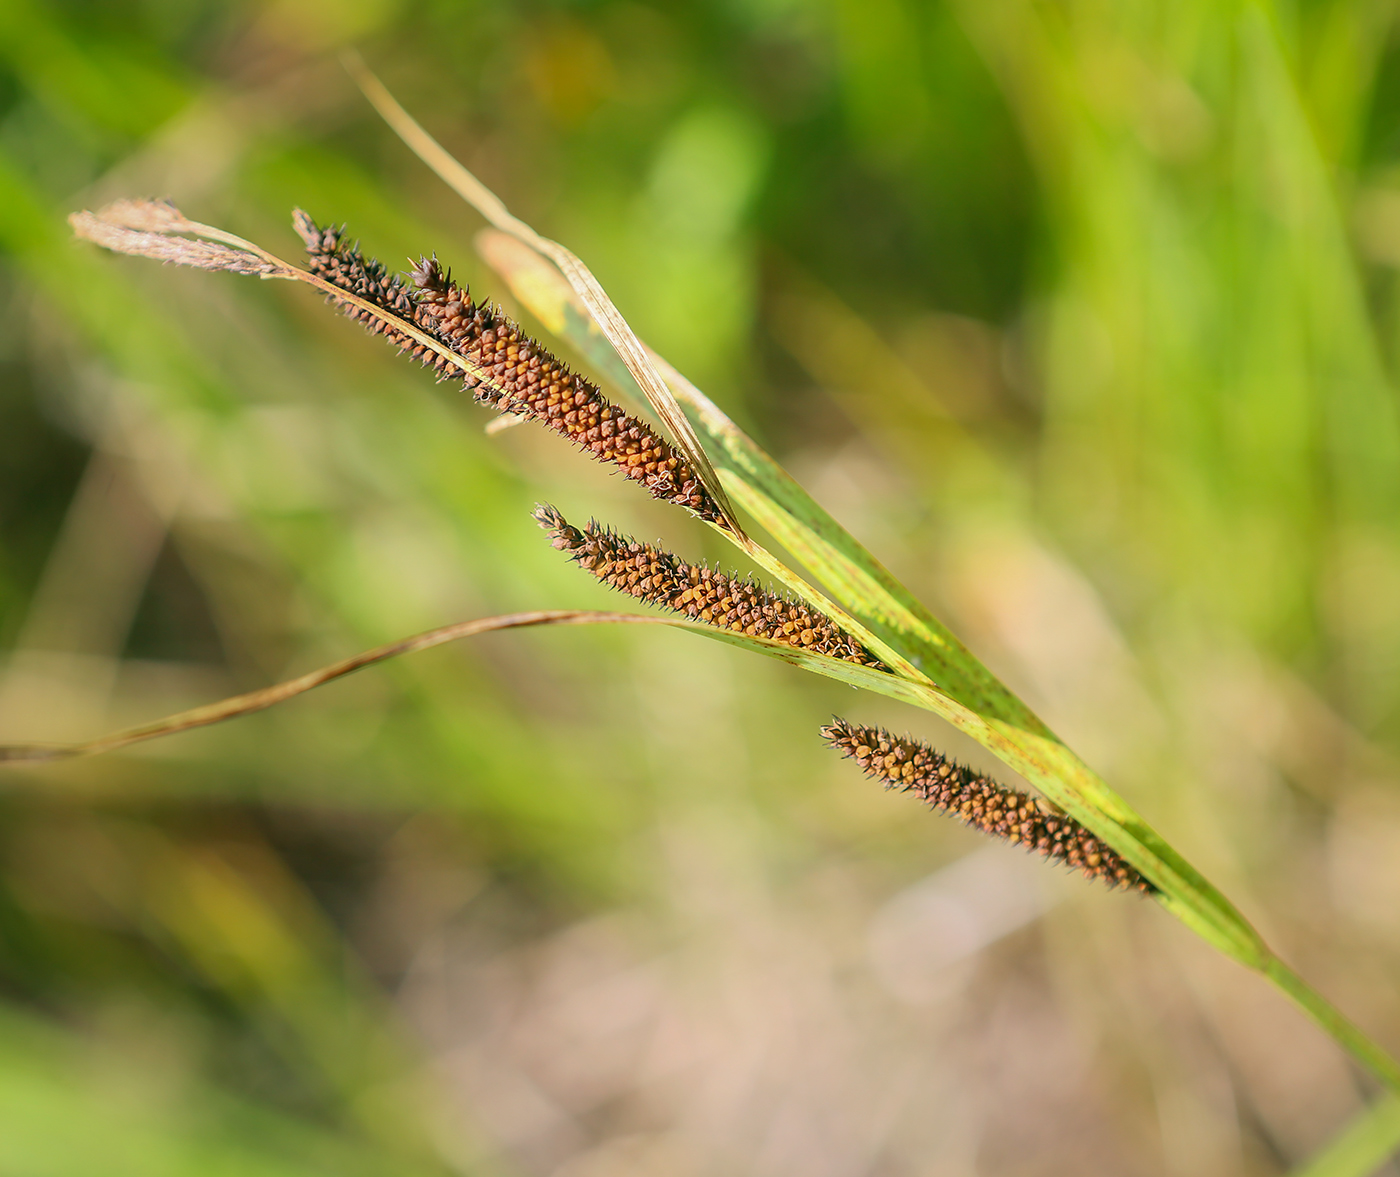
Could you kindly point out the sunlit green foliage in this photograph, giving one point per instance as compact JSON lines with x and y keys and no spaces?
{"x":1081,"y":316}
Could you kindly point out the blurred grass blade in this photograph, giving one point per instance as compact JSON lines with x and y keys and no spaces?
{"x":621,"y":336}
{"x":53,"y":1079}
{"x":1361,"y":1148}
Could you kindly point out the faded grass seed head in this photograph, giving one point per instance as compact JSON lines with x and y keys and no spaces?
{"x":724,"y":600}
{"x":981,"y":802}
{"x":510,"y":371}
{"x":156,"y":229}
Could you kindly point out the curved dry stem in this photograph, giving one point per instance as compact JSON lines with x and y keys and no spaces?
{"x":260,"y":700}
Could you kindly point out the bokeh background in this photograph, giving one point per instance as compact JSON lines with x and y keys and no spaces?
{"x":1083,"y":316}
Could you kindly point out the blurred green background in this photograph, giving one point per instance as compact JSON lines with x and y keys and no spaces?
{"x":1083,"y":316}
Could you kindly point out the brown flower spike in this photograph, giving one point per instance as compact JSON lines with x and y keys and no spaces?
{"x":703,"y":594}
{"x":329,"y":257}
{"x":979,"y":801}
{"x":513,"y":373}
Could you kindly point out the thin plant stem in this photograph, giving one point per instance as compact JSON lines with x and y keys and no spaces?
{"x":261,"y":700}
{"x":1382,"y":1064}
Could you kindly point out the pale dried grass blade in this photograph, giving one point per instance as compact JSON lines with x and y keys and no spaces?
{"x":589,"y":290}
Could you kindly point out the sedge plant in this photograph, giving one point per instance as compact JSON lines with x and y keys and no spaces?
{"x":837,"y":611}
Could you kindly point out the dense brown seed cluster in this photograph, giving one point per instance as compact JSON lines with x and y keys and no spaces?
{"x":343,"y":265}
{"x":519,"y":376}
{"x":981,"y":802}
{"x":512,"y":372}
{"x":704,"y":594}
